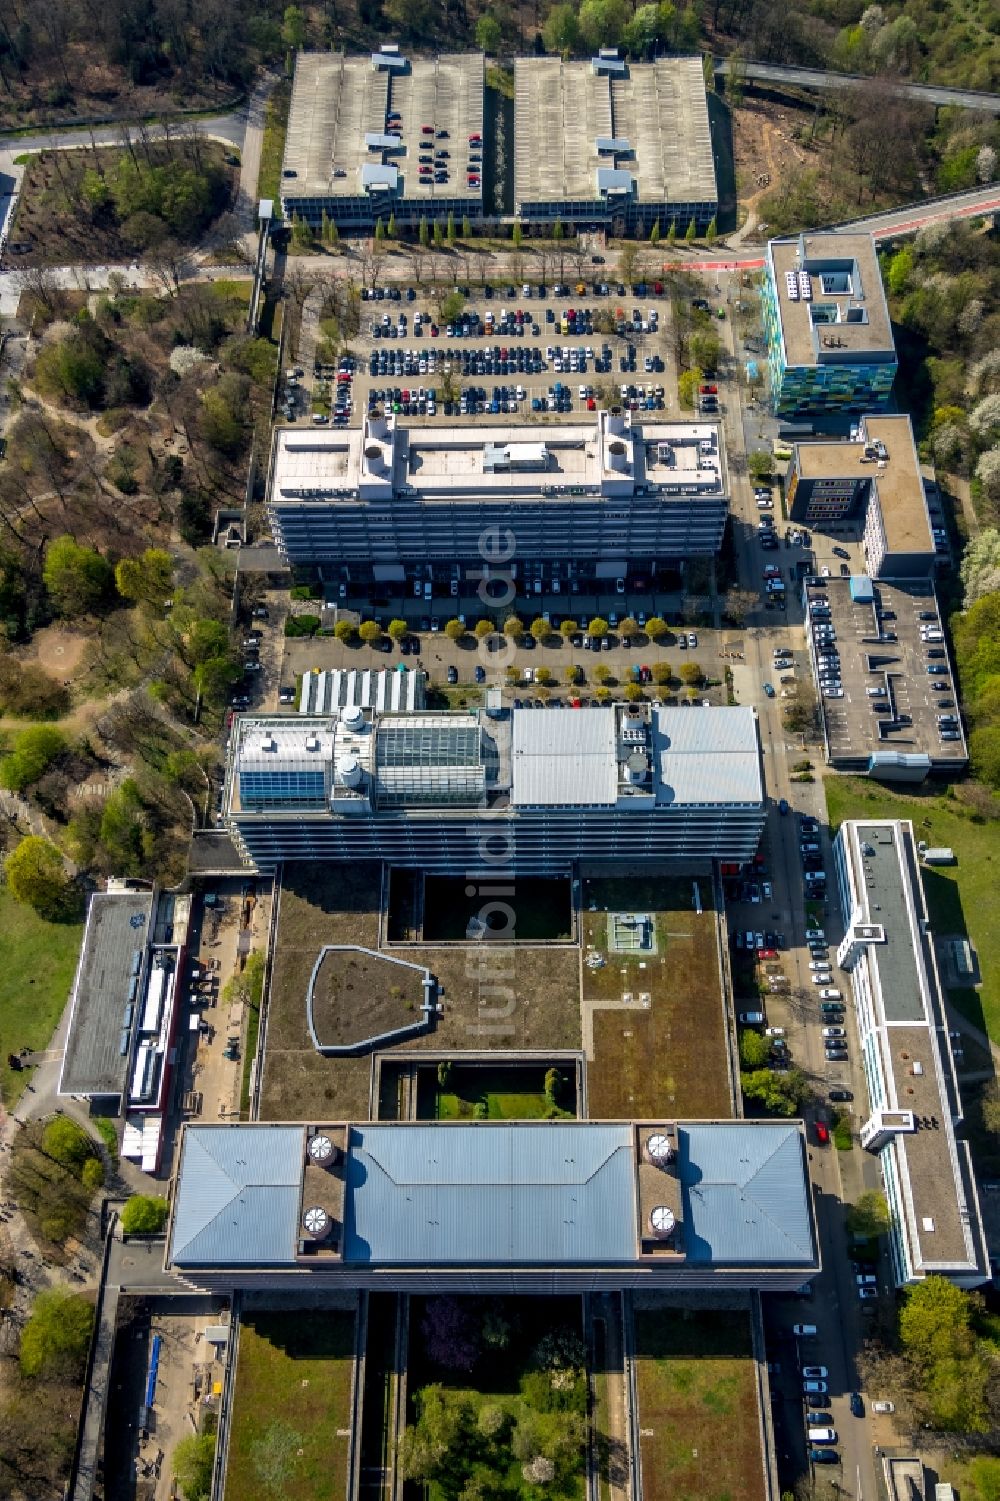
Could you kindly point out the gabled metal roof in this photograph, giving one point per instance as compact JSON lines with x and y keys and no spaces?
{"x":744,"y":1194}
{"x":553,"y":1193}
{"x":237,"y":1197}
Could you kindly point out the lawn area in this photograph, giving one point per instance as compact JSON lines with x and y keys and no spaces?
{"x":292,"y":1406}
{"x":960,"y":897}
{"x":697,"y":1404}
{"x":672,"y":1056}
{"x":494,"y":995}
{"x":273,"y":145}
{"x":510,"y":1094}
{"x":36,"y":976}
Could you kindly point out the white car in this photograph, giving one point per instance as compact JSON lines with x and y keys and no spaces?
{"x":815,"y":933}
{"x":820,"y":964}
{"x":833,"y":692}
{"x":815,"y":1372}
{"x":692,"y":639}
{"x":766,"y":890}
{"x":830,"y":994}
{"x":823,"y":979}
{"x":774,"y":1031}
{"x":883,"y":1407}
{"x":834,"y":1032}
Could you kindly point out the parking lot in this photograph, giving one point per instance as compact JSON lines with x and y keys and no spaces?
{"x":534,"y":351}
{"x":473,"y":666}
{"x":884,"y":673}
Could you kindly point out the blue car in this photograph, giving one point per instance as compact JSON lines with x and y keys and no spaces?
{"x":783,"y":806}
{"x":480,"y":674}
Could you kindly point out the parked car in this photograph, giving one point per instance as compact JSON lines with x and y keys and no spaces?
{"x":807,"y":1331}
{"x":824,"y":1457}
{"x":815,"y":1372}
{"x":752,"y":1018}
{"x":840,"y":1096}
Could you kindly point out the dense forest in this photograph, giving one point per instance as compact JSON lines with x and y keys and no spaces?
{"x":79,"y":57}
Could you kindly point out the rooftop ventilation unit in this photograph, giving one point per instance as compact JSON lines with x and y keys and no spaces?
{"x":805,"y":286}
{"x":636,"y":769}
{"x":792,"y":286}
{"x":349,"y":771}
{"x":321,"y":1150}
{"x":316,"y":1221}
{"x":659,"y":1149}
{"x":352,"y":717}
{"x":312,"y":743}
{"x":662,"y":1222}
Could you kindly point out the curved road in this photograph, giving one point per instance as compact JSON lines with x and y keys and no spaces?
{"x":818,"y":78}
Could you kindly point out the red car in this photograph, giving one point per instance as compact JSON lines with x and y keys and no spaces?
{"x":427,"y":130}
{"x":822,"y":1134}
{"x":709,"y":390}
{"x":767,"y":954}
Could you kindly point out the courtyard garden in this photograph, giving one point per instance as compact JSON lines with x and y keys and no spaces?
{"x":497,"y":1398}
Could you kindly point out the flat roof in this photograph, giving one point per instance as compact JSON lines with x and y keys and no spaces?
{"x":566,"y":113}
{"x":117,"y":928}
{"x":382,"y":460}
{"x":704,"y":756}
{"x":856,"y":286}
{"x":438,"y":761}
{"x":897,"y":481}
{"x":564,"y":757}
{"x":340,"y":108}
{"x":909,"y":1022}
{"x":867,"y":659}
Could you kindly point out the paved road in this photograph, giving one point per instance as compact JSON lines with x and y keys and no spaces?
{"x":817,"y":78}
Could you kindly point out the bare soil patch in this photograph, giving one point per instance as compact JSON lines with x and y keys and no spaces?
{"x":56,"y":649}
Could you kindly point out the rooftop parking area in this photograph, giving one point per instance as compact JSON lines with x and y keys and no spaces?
{"x":347,"y":115}
{"x":844,"y":285}
{"x":879,"y":645}
{"x":654,"y":114}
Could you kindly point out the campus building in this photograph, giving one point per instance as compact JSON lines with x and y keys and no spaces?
{"x":829,"y":338}
{"x":587,"y":500}
{"x":542,"y":1207}
{"x":124,"y":1011}
{"x":497,"y":787}
{"x":606,"y":142}
{"x":876,"y":476}
{"x":383,"y":137}
{"x":915,"y":1106}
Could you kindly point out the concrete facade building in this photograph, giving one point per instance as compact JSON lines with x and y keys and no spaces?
{"x":915,"y":1106}
{"x":466,"y":792}
{"x":877,"y":476}
{"x":607,"y":142}
{"x":542,"y":1207}
{"x":829,"y":337}
{"x":385,"y":135}
{"x":598,"y":496}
